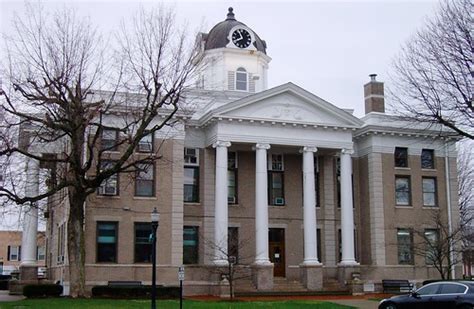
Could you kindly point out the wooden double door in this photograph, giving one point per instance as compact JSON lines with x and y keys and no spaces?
{"x":276,"y":247}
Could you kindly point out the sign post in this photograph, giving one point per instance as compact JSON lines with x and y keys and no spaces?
{"x":181,"y":278}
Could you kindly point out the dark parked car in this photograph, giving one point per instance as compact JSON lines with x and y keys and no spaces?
{"x":441,"y":295}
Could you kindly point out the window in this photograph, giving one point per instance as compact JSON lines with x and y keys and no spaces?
{"x":146,"y":143}
{"x":61,"y":243}
{"x":339,"y":239}
{"x":338,"y":181}
{"x":233,"y":243}
{"x":40,"y":253}
{"x":241,"y":79}
{"x":405,"y":248}
{"x":107,"y":242}
{"x":429,"y":192}
{"x":401,"y":157}
{"x":110,"y":185}
{"x":430,"y":289}
{"x":190,"y":245}
{"x":14,"y":253}
{"x":143,"y":244}
{"x":191,"y":175}
{"x":316,"y":182}
{"x":145,"y":180}
{"x":427,"y":158}
{"x":431,"y":239}
{"x":191,"y":156}
{"x":232,"y":178}
{"x":318,"y":244}
{"x":109,"y":139}
{"x":276,"y":189}
{"x":402,"y":190}
{"x":452,"y":288}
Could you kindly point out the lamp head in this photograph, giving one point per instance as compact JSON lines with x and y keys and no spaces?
{"x":155,"y":216}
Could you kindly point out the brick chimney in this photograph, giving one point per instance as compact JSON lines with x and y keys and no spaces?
{"x":374,"y":96}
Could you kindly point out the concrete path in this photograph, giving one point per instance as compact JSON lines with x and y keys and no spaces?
{"x":4,"y":296}
{"x":357,"y":303}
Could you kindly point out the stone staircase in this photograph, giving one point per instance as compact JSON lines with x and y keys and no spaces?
{"x":285,"y":287}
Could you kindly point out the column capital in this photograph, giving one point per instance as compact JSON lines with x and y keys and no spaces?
{"x":347,"y":151}
{"x":221,"y":144}
{"x":309,"y":149}
{"x":262,"y":146}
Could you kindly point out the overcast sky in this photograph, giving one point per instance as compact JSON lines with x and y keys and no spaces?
{"x":326,"y":47}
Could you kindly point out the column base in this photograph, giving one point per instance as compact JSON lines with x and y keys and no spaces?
{"x":28,"y":273}
{"x":262,"y":276}
{"x":346,"y":272}
{"x":348,"y":263}
{"x":220,"y":263}
{"x":312,"y":276}
{"x":224,"y":289}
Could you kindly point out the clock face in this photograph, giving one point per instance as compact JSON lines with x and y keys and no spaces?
{"x":241,"y":38}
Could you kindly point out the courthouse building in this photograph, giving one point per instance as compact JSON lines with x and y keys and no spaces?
{"x":296,"y":188}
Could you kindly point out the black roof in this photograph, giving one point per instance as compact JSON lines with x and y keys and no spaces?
{"x":217,"y":37}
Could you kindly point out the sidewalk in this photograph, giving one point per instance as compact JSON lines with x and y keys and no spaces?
{"x":5,"y":297}
{"x":357,"y":303}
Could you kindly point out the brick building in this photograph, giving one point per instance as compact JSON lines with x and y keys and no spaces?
{"x":315,"y":193}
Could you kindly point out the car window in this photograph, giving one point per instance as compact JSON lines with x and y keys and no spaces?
{"x":452,"y":288}
{"x":428,"y":290}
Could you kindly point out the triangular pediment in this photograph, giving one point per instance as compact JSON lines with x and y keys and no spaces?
{"x":287,"y":103}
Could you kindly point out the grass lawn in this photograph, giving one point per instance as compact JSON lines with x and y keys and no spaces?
{"x":136,"y":304}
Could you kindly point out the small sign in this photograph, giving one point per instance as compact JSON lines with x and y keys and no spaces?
{"x":181,"y":273}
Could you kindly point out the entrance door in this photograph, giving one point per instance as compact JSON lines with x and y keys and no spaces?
{"x":276,"y":246}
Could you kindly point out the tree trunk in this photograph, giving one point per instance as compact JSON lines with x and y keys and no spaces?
{"x":75,"y":237}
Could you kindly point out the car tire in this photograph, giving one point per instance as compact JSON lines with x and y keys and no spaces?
{"x":389,"y":306}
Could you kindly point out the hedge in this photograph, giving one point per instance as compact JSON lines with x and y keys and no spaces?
{"x":142,"y":291}
{"x":42,"y":290}
{"x":4,"y":281}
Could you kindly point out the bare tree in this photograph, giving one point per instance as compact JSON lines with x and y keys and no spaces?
{"x":439,"y":245}
{"x":238,"y":264}
{"x":465,"y":163}
{"x":66,"y":86}
{"x":432,"y":80}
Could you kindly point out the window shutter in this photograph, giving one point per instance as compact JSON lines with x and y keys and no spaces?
{"x":231,"y":80}
{"x":251,"y":83}
{"x":8,"y":254}
{"x":19,"y":253}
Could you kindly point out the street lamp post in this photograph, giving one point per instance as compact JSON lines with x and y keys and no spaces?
{"x":155,"y":218}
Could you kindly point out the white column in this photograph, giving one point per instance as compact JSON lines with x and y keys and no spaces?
{"x":220,"y":210}
{"x":261,"y":204}
{"x":309,"y":207}
{"x":30,"y":217}
{"x":347,"y":212}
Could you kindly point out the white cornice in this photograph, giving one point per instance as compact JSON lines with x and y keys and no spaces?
{"x":353,"y":121}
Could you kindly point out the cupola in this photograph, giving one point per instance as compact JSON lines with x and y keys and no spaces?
{"x":235,"y":58}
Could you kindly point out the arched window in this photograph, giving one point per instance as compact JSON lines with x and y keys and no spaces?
{"x":241,"y":78}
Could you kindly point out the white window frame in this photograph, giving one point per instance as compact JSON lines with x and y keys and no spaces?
{"x":242,"y":70}
{"x":40,"y":251}
{"x":17,"y":255}
{"x":145,"y":145}
{"x":270,"y":162}
{"x":107,"y":183}
{"x":186,"y":156}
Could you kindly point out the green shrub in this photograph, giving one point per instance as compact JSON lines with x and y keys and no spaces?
{"x":42,"y":290}
{"x":142,"y":291}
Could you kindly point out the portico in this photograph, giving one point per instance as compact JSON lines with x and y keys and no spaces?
{"x":243,"y":124}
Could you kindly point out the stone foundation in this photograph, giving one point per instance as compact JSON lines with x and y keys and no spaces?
{"x":28,"y":272}
{"x":312,"y":276}
{"x":262,"y":276}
